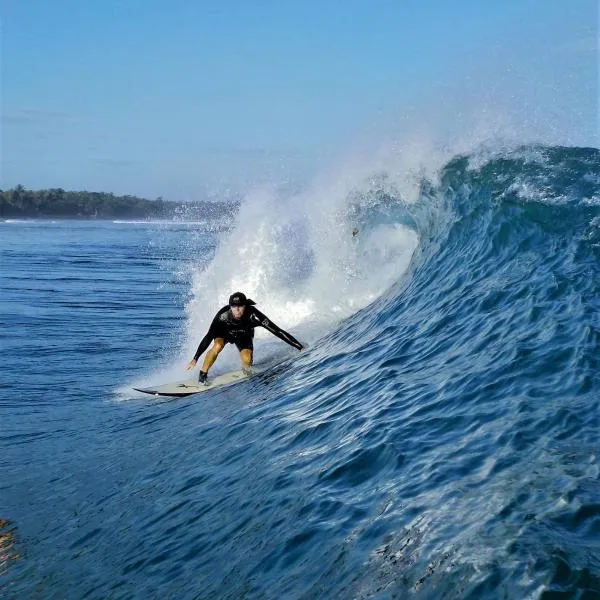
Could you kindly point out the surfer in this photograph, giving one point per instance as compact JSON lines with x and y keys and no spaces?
{"x":234,"y":324}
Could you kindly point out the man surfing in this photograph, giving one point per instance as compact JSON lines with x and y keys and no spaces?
{"x":234,"y":324}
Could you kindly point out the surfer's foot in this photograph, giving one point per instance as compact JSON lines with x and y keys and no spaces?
{"x":247,"y":371}
{"x":202,"y":378}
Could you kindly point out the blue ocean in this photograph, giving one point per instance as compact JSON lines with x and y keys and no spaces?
{"x":438,"y":438}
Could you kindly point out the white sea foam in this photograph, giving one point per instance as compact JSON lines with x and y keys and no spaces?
{"x":295,"y":255}
{"x":297,"y":258}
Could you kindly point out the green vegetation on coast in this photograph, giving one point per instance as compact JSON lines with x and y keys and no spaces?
{"x":19,"y":202}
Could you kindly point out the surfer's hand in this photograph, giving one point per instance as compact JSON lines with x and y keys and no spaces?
{"x":191,"y":364}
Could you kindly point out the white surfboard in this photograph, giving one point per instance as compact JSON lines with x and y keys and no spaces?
{"x":191,"y":386}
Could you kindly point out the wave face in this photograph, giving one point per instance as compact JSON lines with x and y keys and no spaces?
{"x":477,"y":427}
{"x":438,"y":438}
{"x":443,"y":440}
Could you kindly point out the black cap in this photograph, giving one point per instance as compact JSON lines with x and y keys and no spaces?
{"x":238,"y":299}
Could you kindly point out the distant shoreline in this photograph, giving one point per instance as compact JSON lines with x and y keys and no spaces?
{"x":20,"y":203}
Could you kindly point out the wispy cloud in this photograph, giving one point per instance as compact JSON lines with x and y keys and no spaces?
{"x":250,"y":152}
{"x":115,"y":163}
{"x":584,"y":45}
{"x":37,"y":116}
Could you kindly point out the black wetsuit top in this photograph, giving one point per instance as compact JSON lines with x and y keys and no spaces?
{"x":241,"y":331}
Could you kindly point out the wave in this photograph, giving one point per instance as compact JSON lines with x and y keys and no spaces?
{"x":478,"y":370}
{"x":316,"y":258}
{"x":454,"y":378}
{"x":439,"y":438}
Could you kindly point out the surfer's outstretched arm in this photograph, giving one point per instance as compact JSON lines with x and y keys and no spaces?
{"x":283,"y":335}
{"x":204,"y":344}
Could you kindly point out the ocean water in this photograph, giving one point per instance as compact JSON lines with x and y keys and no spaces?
{"x":439,"y":438}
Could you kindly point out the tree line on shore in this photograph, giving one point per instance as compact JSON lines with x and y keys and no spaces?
{"x":58,"y":203}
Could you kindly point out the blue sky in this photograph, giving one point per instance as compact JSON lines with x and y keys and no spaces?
{"x":182,"y":98}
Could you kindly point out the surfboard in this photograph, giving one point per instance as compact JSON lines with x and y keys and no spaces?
{"x":191,"y":386}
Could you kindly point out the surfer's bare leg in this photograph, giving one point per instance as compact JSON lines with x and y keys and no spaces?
{"x":246,"y":356}
{"x":212,"y":354}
